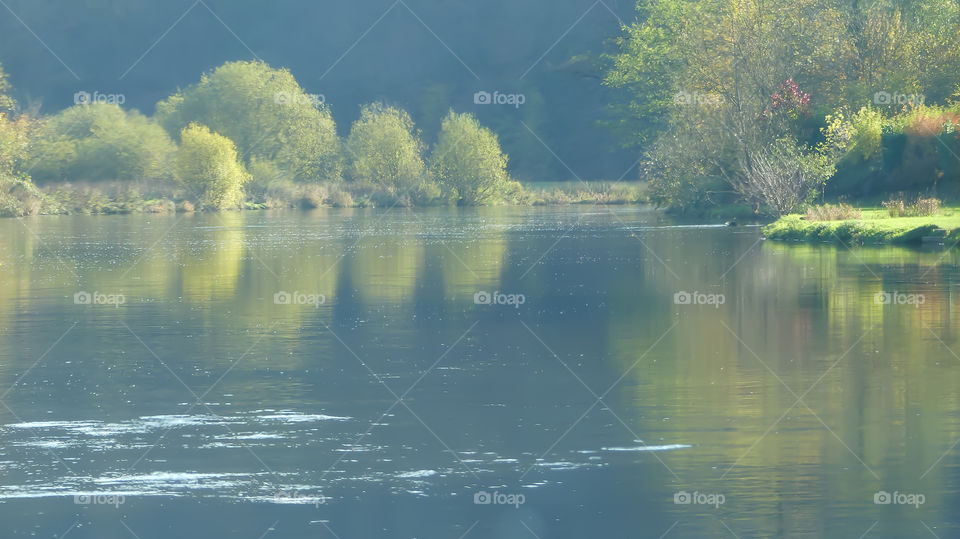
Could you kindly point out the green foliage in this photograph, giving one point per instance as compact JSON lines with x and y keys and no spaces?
{"x":899,"y":206}
{"x":7,"y":103}
{"x":207,"y":165}
{"x":873,"y":227}
{"x":384,"y":147}
{"x":831,"y":212}
{"x":468,"y":162}
{"x":100,"y":142}
{"x":266,"y":113}
{"x":746,"y":74}
{"x":18,"y":195}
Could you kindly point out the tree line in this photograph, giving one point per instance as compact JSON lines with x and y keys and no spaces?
{"x":777,"y":105}
{"x":246,"y":133}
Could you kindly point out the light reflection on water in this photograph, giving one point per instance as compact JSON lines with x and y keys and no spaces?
{"x":214,"y":411}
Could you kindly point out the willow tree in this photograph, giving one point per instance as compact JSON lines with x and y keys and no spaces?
{"x":385,"y":148}
{"x":207,"y":165}
{"x":468,"y":162}
{"x":266,"y":113}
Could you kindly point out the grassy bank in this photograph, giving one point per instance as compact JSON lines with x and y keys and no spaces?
{"x":148,"y":197}
{"x":874,"y":226}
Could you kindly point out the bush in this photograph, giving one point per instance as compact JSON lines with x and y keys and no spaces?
{"x":100,"y":142}
{"x":829,"y":212}
{"x":266,"y":113}
{"x":384,"y":148}
{"x":897,"y":206}
{"x":208,"y":167}
{"x":468,"y":161}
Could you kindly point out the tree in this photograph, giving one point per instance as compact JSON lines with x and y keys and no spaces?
{"x":384,"y":148}
{"x":7,"y":103}
{"x":101,"y":142}
{"x":208,"y":166}
{"x":266,"y":113}
{"x":18,"y":195}
{"x":467,"y":160}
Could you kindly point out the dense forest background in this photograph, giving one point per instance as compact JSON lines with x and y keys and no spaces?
{"x":424,"y":56}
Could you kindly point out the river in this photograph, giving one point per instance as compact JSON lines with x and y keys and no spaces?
{"x":470,"y":373}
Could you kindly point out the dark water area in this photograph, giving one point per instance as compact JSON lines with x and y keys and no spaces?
{"x":469,"y":373}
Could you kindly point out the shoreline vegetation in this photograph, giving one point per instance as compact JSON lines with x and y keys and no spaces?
{"x":896,"y":222}
{"x":105,"y":198}
{"x":785,"y":106}
{"x":247,"y":136}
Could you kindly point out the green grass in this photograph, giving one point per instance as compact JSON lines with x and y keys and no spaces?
{"x":875,"y":226}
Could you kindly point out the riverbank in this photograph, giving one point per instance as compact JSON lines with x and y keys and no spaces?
{"x":874,"y":226}
{"x":144,"y":197}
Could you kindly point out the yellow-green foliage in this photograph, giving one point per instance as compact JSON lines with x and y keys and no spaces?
{"x":384,"y":147}
{"x":208,"y":167}
{"x":100,"y":142}
{"x":829,"y":212}
{"x":266,"y":113}
{"x":468,"y":161}
{"x":875,"y":226}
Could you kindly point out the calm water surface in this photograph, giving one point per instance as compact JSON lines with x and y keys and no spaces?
{"x":384,"y":397}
